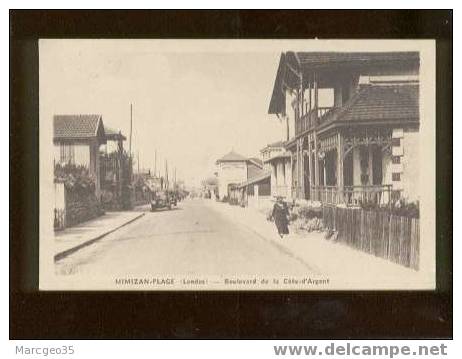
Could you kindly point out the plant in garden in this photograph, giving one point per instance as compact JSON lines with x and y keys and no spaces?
{"x":306,"y":218}
{"x":76,"y":178}
{"x":400,"y":207}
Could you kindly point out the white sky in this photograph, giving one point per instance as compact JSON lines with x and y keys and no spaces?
{"x":193,"y":107}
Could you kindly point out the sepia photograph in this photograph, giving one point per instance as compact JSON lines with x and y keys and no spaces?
{"x":237,"y":164}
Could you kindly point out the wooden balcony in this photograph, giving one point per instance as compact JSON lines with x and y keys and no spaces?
{"x":313,"y":118}
{"x":354,"y":195}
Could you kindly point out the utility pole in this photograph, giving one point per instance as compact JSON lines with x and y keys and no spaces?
{"x":155,"y":162}
{"x":131,"y":127}
{"x":166,"y":173}
{"x":174,"y":178}
{"x":138,"y":160}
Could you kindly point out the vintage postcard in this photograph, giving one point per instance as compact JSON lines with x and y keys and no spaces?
{"x":237,"y":164}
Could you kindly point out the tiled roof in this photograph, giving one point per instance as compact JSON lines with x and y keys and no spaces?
{"x":382,"y":102}
{"x":231,"y":157}
{"x":313,"y":59}
{"x":76,"y":126}
{"x":257,"y":177}
{"x":309,"y":62}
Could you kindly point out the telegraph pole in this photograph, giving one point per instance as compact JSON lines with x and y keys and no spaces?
{"x":138,"y":160}
{"x":174,"y":178}
{"x":131,"y":127}
{"x":166,"y":173}
{"x":155,"y":162}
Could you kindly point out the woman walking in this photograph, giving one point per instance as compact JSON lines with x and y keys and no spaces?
{"x":281,"y":216}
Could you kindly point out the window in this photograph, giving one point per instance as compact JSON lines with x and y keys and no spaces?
{"x":396,"y":142}
{"x":396,"y":176}
{"x":396,"y":159}
{"x":67,"y":154}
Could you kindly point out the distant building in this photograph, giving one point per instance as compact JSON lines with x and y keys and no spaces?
{"x":255,"y":190}
{"x":270,"y":151}
{"x":233,"y":169}
{"x":277,"y":160}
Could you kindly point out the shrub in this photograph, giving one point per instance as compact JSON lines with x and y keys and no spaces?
{"x":76,"y":178}
{"x":308,"y":224}
{"x":398,"y":208}
{"x":307,"y":212}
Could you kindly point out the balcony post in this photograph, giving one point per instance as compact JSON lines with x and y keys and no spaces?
{"x":316,"y":100}
{"x":302,"y":169}
{"x":310,"y":87}
{"x":291,"y":183}
{"x":340,"y":165}
{"x":297,"y":170}
{"x":316,"y":160}
{"x":302,"y":96}
{"x":310,"y":166}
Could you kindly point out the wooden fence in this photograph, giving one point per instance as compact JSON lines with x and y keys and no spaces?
{"x":376,"y":232}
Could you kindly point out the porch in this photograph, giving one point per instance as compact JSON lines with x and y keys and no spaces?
{"x":349,"y":166}
{"x":381,"y":195}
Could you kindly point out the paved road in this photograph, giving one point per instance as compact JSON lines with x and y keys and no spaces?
{"x":194,"y":239}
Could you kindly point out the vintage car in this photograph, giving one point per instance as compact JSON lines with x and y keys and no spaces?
{"x":162,"y":199}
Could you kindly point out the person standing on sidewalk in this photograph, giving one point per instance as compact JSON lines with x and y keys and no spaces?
{"x":280,"y":215}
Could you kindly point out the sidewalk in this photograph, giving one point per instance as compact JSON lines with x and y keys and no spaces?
{"x":74,"y":238}
{"x":347,"y":268}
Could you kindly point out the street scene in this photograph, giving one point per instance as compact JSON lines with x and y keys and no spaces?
{"x":197,"y":168}
{"x":193,"y":238}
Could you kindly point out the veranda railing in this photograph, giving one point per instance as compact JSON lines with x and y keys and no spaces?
{"x":353,"y":195}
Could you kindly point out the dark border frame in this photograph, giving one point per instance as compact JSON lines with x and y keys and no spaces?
{"x":232,"y":315}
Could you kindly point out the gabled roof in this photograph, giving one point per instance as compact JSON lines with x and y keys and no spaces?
{"x":232,"y":157}
{"x":292,"y":63}
{"x":236,"y":157}
{"x":319,"y":59}
{"x":277,"y":103}
{"x":78,"y":127}
{"x":380,"y":103}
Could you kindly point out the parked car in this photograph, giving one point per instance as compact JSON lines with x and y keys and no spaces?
{"x":162,"y":199}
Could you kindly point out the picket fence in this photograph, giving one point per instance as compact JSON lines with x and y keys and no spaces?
{"x":377,"y":232}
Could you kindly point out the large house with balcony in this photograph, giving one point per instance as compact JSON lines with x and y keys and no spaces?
{"x":352,"y":125}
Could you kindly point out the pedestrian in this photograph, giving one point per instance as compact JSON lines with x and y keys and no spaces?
{"x":280,"y":215}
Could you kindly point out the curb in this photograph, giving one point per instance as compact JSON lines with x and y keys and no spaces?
{"x":69,"y":251}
